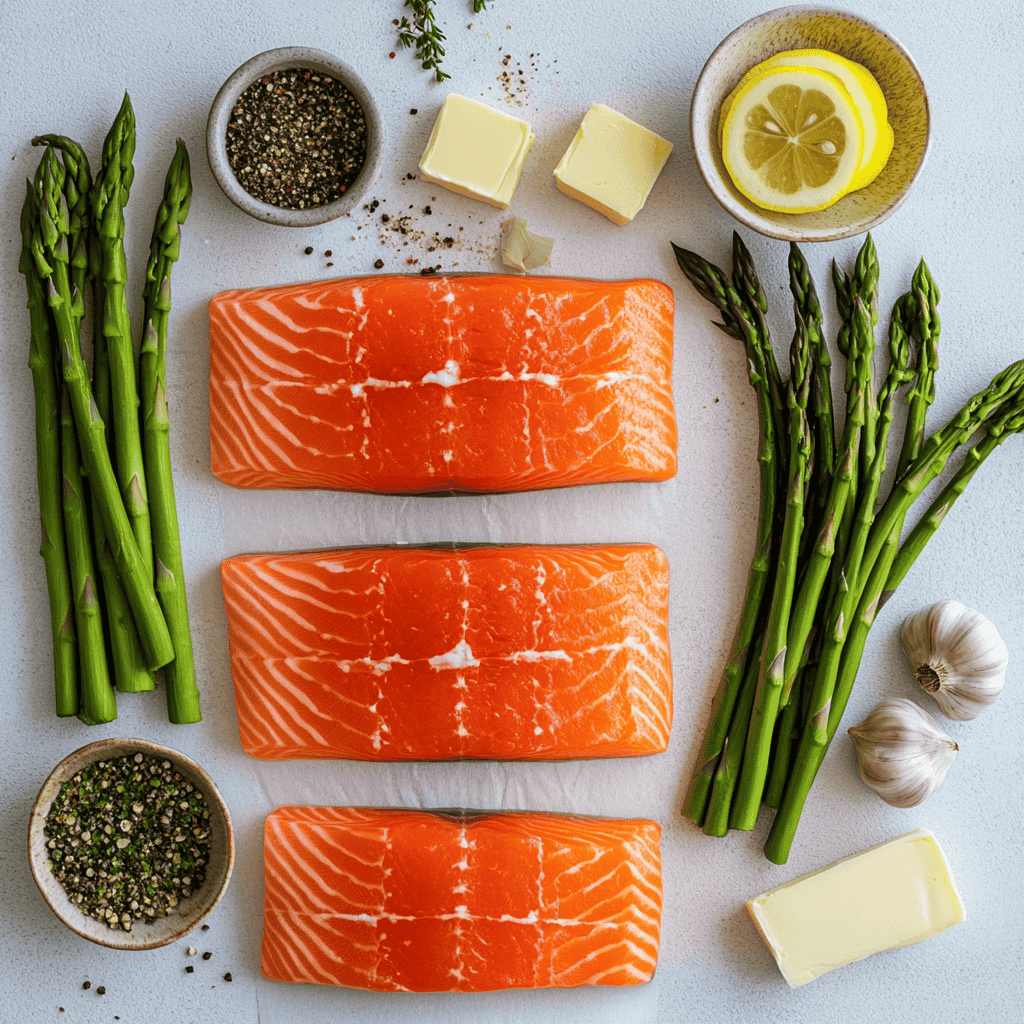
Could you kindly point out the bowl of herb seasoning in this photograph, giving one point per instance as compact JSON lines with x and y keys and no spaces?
{"x":130,"y":843}
{"x":294,"y":137}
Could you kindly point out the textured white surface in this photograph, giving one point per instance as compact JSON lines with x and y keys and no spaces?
{"x":64,"y":67}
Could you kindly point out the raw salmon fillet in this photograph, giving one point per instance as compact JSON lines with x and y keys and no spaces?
{"x":426,"y":901}
{"x":403,"y":653}
{"x":430,"y":384}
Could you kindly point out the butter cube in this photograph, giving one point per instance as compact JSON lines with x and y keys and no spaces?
{"x":476,"y":151}
{"x":612,"y":164}
{"x":895,"y":894}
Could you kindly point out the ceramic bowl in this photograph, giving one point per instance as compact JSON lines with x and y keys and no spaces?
{"x":189,"y":912}
{"x":819,"y":28}
{"x":281,"y":60}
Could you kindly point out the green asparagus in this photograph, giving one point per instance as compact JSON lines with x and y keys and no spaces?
{"x":96,"y":695}
{"x":109,"y":196}
{"x":179,"y":675}
{"x":48,"y":475}
{"x":49,"y":248}
{"x":836,"y":582}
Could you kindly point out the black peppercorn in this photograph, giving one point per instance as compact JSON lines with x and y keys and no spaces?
{"x":296,"y":139}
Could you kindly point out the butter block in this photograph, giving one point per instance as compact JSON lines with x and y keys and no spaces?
{"x":612,"y":164}
{"x":476,"y":151}
{"x":893,"y":895}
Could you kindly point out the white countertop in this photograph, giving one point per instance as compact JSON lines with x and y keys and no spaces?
{"x":65,"y":66}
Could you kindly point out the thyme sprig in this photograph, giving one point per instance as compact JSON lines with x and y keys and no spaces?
{"x":423,"y":34}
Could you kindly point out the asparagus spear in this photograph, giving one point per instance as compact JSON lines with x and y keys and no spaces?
{"x":49,"y":248}
{"x":738,"y":322}
{"x":716,"y":821}
{"x":865,"y":288}
{"x":95,"y":692}
{"x":754,"y":771}
{"x":932,"y":519}
{"x":48,"y":474}
{"x":919,"y":317}
{"x":179,"y":675}
{"x":805,"y":298}
{"x":109,"y":196}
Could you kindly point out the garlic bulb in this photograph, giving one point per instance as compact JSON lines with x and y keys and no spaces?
{"x":902,"y":753}
{"x":957,"y":655}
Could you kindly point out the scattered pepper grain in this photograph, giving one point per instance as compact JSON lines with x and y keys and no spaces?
{"x":189,"y":969}
{"x":227,"y":977}
{"x":207,"y":955}
{"x":101,"y":990}
{"x":378,"y":264}
{"x":308,"y":250}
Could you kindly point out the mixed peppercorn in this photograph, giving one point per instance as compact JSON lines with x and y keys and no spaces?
{"x":128,"y":838}
{"x":296,"y":139}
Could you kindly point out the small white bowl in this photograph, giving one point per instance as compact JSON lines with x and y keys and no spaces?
{"x":282,"y":59}
{"x":189,"y":912}
{"x":850,"y":36}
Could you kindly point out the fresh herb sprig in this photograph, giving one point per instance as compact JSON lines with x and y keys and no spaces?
{"x":423,"y":34}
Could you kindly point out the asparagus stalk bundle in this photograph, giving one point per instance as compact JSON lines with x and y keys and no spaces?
{"x":829,"y":551}
{"x":95,"y":516}
{"x":131,"y":674}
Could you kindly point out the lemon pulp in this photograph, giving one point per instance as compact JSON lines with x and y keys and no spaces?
{"x":793,"y":139}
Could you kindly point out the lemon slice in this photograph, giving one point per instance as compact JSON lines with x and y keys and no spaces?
{"x":862,"y":87}
{"x":793,"y":139}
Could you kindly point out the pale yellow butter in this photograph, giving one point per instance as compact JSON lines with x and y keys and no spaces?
{"x":476,"y":151}
{"x":612,"y":164}
{"x":892,"y":895}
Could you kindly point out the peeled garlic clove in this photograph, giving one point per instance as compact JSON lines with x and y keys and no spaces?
{"x":902,"y":753}
{"x":957,"y":655}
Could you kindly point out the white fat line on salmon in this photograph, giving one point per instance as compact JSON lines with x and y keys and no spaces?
{"x":551,"y":379}
{"x":535,"y":656}
{"x":460,"y":656}
{"x":461,"y":913}
{"x":357,"y":390}
{"x":447,"y":377}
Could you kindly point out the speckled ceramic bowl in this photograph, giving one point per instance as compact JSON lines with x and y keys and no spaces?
{"x":821,"y":28}
{"x":282,"y":59}
{"x":189,"y":912}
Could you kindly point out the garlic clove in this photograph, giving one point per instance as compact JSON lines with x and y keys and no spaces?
{"x":957,"y":656}
{"x":902,"y":753}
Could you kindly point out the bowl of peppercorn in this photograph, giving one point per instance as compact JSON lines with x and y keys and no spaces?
{"x":294,"y":137}
{"x":130,"y":843}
